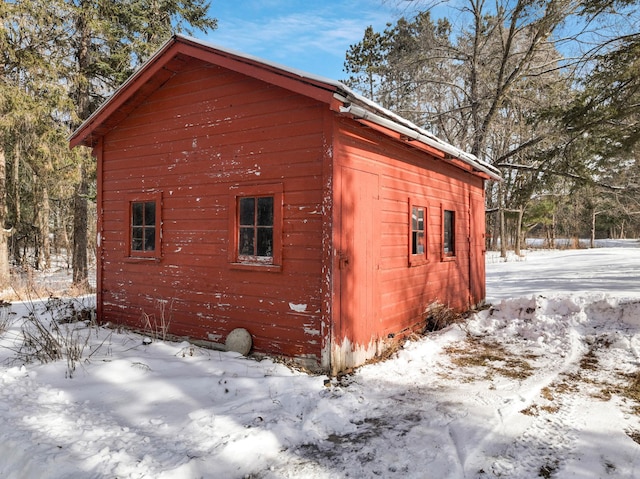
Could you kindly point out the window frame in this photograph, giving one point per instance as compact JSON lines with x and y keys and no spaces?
{"x":416,"y":259}
{"x":452,"y":235}
{"x":250,"y":262}
{"x":156,"y":253}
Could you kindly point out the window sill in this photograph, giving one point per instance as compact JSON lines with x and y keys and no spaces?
{"x":270,"y":268}
{"x":448,"y":257}
{"x":142,"y":259}
{"x":417,"y":261}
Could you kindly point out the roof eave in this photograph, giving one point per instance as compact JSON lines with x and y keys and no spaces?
{"x":313,"y":86}
{"x":414,"y":133}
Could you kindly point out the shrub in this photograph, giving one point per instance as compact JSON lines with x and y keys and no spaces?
{"x":60,"y":332}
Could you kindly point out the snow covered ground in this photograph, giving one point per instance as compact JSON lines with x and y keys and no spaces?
{"x":545,"y":383}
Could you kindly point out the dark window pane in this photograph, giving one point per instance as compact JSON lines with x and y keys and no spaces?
{"x":150,"y":239}
{"x":247,"y":211}
{"x":137,"y":214}
{"x":136,"y":239}
{"x":419,"y":242}
{"x":150,"y":213}
{"x":265,"y":211}
{"x":265,"y":242}
{"x":245,"y":241}
{"x":449,"y":232}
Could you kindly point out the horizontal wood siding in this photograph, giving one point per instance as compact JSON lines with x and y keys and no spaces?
{"x":203,"y":132}
{"x":405,"y":290}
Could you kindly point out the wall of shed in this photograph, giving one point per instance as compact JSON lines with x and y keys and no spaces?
{"x":400,"y":175}
{"x":204,"y":131}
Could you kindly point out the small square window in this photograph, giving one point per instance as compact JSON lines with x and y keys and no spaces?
{"x":448,"y":234}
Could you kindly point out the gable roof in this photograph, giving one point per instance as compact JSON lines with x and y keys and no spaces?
{"x":169,"y":59}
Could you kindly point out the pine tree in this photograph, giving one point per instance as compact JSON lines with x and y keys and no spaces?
{"x":363,"y":63}
{"x":60,"y":59}
{"x":31,"y":100}
{"x":107,"y":41}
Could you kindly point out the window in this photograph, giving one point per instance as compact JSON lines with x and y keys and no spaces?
{"x":448,"y":235}
{"x":144,"y":226}
{"x":417,"y":234}
{"x":417,"y":230}
{"x":256,"y":227}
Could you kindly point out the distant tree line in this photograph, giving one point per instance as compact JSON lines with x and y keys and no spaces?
{"x":546,"y":91}
{"x":59,"y":59}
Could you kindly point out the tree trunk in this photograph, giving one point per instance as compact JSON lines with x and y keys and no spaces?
{"x":592,"y":243}
{"x":83,"y":99}
{"x":16,"y":183}
{"x":80,"y":214}
{"x":17,"y":213}
{"x":5,"y":278}
{"x":44,"y":257}
{"x":503,"y":232}
{"x":518,"y":245}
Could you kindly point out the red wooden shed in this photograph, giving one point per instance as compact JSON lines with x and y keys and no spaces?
{"x":236,"y":193}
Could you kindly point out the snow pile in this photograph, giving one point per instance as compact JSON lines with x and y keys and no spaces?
{"x":544,"y":384}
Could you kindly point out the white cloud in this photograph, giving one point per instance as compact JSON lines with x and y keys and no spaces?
{"x":285,"y":32}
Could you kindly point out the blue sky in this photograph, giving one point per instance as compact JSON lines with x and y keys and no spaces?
{"x":309,"y":35}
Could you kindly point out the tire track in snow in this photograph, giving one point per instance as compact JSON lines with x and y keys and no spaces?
{"x":550,"y":435}
{"x":544,"y":446}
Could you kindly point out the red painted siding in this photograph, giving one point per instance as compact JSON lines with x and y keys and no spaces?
{"x":203,"y":132}
{"x":195,"y":129}
{"x":397,"y":176}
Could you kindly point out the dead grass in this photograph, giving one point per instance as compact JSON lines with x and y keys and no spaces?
{"x":58,"y":329}
{"x":531,"y":410}
{"x":625,"y":385}
{"x":6,"y":316}
{"x":491,"y":356}
{"x":633,"y":389}
{"x":157,"y":325}
{"x":548,"y":470}
{"x":439,"y":316}
{"x":587,"y":375}
{"x":547,"y":394}
{"x":633,"y":434}
{"x":589,"y":361}
{"x":564,"y":387}
{"x":536,"y":409}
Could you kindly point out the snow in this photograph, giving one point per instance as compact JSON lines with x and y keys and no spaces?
{"x":540,"y":384}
